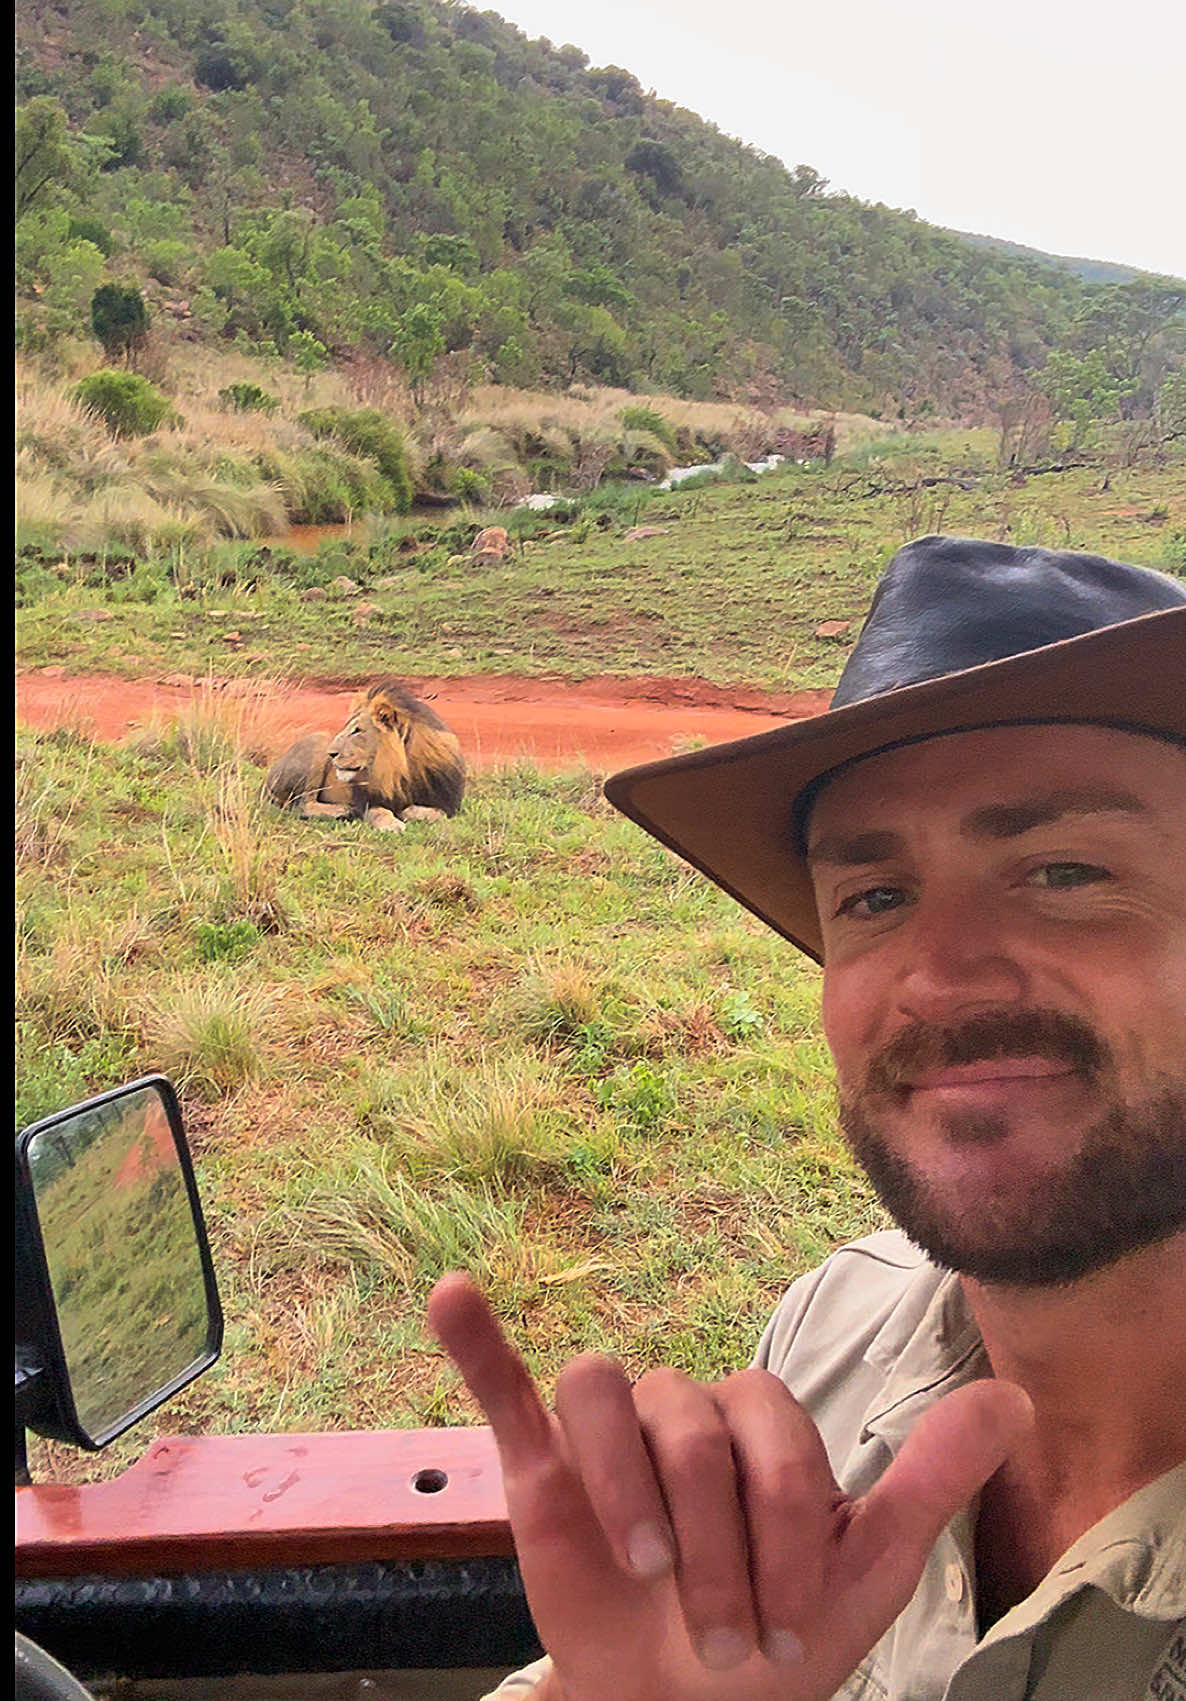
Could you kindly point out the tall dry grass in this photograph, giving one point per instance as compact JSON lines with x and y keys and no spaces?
{"x":216,"y":473}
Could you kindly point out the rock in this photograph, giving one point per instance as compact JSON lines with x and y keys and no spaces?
{"x":539,"y":501}
{"x":640,"y":532}
{"x":232,"y":638}
{"x":345,"y":587}
{"x":364,"y":611}
{"x":832,"y":628}
{"x":315,"y":593}
{"x":53,"y":673}
{"x":490,"y":546}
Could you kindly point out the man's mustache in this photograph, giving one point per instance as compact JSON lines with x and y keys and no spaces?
{"x":924,"y":1046}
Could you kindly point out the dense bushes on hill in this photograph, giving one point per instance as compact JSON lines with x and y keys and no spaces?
{"x":419,"y":178}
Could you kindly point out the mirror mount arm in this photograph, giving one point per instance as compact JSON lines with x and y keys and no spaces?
{"x":31,"y":1388}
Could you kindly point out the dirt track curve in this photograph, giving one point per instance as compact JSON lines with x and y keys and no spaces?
{"x":557,"y":723}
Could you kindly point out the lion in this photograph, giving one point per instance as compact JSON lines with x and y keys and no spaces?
{"x":394,"y":761}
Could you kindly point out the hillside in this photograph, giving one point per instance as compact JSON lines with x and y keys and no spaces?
{"x":417,"y":177}
{"x":1091,"y":271}
{"x":340,"y":179}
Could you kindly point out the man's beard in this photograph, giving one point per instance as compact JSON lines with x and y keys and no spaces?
{"x":1123,"y":1188}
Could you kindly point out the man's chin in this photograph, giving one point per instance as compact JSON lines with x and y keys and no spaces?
{"x":1015,"y":1218}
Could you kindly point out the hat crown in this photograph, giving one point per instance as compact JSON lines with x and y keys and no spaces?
{"x":945,"y":604}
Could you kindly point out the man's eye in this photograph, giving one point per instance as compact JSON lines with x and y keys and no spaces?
{"x":873,"y":901}
{"x":1061,"y":876}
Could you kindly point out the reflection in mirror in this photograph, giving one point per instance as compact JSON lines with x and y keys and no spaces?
{"x":123,"y":1256}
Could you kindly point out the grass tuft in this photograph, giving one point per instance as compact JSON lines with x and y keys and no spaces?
{"x":204,"y":1034}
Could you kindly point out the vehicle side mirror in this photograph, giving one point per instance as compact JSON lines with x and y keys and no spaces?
{"x":116,"y":1302}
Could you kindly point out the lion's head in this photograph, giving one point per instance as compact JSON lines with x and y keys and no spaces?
{"x":399,"y":751}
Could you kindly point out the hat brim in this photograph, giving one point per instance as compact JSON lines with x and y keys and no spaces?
{"x":729,"y":809}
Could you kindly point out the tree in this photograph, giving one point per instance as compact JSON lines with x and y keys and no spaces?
{"x":1171,"y":404}
{"x":308,"y":355}
{"x":1082,"y":389}
{"x":1122,"y":323}
{"x":119,"y":318}
{"x":43,"y":154}
{"x":417,"y":344}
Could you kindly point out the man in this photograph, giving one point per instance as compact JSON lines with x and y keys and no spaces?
{"x":958,"y":1469}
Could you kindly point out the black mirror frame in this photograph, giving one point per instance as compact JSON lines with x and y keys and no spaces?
{"x":49,"y":1409}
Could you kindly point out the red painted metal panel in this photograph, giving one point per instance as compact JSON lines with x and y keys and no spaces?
{"x":234,"y":1502}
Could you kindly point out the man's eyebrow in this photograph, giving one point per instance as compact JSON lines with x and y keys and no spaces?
{"x":851,"y":850}
{"x":992,"y":821}
{"x":1009,"y":820}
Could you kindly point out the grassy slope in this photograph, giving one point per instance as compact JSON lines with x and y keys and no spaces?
{"x":778,"y":556}
{"x":528,"y":1042}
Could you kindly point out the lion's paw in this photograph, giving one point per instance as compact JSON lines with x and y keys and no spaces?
{"x":384,"y":820}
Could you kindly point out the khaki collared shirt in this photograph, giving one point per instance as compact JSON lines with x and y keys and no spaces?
{"x":867,"y":1343}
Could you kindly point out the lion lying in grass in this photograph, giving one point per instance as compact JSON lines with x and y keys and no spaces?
{"x":394,"y":761}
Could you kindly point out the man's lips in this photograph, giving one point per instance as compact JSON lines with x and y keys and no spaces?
{"x":989,"y":1073}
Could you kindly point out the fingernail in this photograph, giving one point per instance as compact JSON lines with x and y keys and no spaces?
{"x":721,"y":1650}
{"x":649,"y":1552}
{"x":782,"y":1648}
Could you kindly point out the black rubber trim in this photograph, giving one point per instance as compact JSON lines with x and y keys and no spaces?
{"x":442,"y":1614}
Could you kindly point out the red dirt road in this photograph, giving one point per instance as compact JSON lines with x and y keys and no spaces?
{"x":604,"y":722}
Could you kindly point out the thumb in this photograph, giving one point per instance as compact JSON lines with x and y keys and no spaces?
{"x":949,"y":1455}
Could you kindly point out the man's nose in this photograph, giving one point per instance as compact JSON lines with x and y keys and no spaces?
{"x":958,"y":957}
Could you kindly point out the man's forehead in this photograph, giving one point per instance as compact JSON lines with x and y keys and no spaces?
{"x":1000,"y":780}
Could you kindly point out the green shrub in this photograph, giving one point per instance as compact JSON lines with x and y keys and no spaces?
{"x":468,"y":485}
{"x":83,"y":229}
{"x":640,"y":1096}
{"x":129,"y":404}
{"x":171,"y":103}
{"x":646,"y":419}
{"x":373,"y":436}
{"x":168,"y":259}
{"x":740,"y":1018}
{"x":325,"y":486}
{"x":119,"y":318}
{"x":248,"y":398}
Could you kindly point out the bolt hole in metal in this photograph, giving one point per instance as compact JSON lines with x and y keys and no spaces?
{"x":430,"y":1481}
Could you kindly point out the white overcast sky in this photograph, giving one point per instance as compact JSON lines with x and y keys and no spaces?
{"x":1057,"y":123}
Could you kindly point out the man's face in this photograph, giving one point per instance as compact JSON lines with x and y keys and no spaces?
{"x":1004,"y":924}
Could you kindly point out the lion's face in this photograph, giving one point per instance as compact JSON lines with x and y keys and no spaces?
{"x":353,"y":750}
{"x":369,"y":753}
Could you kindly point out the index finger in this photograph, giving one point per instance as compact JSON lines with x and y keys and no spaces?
{"x":461,"y":1319}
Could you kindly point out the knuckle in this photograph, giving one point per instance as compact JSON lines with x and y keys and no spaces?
{"x":782,"y":1482}
{"x":696,"y":1452}
{"x":662,"y":1385}
{"x":587,"y":1372}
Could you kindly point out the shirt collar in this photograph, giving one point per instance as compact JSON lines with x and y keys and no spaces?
{"x":928,"y":1345}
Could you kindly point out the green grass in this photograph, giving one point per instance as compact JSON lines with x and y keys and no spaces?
{"x":606,"y":1094}
{"x":732,"y":590}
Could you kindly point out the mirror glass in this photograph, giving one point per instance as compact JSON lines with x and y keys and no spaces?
{"x":123,"y":1253}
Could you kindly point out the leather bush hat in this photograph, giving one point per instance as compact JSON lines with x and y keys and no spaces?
{"x":960,"y":634}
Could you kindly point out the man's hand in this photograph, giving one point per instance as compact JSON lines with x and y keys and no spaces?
{"x":688,"y":1541}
